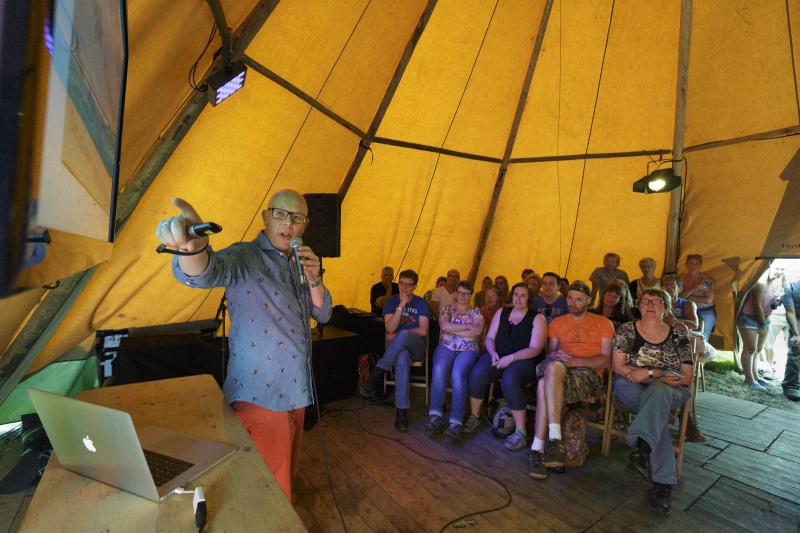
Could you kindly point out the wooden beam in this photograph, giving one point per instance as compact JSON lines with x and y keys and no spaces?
{"x":577,"y":157}
{"x":436,"y":150}
{"x":673,"y":218}
{"x":512,"y":137}
{"x":764,"y":136}
{"x":367,"y":140}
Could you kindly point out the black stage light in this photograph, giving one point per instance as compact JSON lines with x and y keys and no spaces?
{"x":658,"y":181}
{"x":226,"y":81}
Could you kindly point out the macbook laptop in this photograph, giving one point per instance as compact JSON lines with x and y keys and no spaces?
{"x":101,"y":443}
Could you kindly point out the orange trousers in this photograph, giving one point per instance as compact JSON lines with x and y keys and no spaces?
{"x":277,"y":437}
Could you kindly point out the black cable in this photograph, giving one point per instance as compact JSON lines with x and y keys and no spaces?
{"x":443,"y":461}
{"x":193,"y":70}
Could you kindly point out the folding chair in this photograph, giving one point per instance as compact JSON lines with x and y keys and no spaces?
{"x":619,"y":418}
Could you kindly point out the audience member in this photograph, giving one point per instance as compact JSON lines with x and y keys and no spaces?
{"x":648,"y":279}
{"x":405,"y":316}
{"x":479,"y":300}
{"x":382,"y":291}
{"x":457,"y":353}
{"x":501,"y":282}
{"x":563,"y":287}
{"x":525,"y":273}
{"x":580,"y":347}
{"x":699,"y":288}
{"x":777,"y":323}
{"x":445,"y":295}
{"x":683,"y":311}
{"x":514,"y":345}
{"x":791,"y":301}
{"x":440,"y":282}
{"x":652,"y":365}
{"x":752,"y":323}
{"x":550,"y":304}
{"x":615,"y":303}
{"x":602,"y":275}
{"x":534,"y":281}
{"x":494,"y":303}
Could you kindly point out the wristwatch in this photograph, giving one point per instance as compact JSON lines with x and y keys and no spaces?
{"x":650,"y":372}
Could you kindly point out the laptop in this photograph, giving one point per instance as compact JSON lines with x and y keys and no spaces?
{"x":101,"y":443}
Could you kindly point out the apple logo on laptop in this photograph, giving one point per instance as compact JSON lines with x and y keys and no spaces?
{"x":89,"y":444}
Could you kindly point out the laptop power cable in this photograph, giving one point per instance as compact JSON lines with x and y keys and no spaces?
{"x":199,"y":504}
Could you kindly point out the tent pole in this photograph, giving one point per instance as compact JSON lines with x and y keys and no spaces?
{"x":673,"y":221}
{"x":365,"y":143}
{"x":512,"y":137}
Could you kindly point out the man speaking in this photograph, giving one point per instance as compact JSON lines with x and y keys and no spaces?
{"x":268,"y":379}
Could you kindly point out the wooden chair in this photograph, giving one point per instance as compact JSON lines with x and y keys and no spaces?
{"x":596,"y":412}
{"x":619,"y":418}
{"x":415,"y":380}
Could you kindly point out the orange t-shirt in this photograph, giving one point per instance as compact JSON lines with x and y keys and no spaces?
{"x":580,"y":338}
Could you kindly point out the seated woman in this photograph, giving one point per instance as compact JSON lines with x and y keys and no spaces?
{"x":514,"y":346}
{"x":753,"y":325}
{"x":652,"y":364}
{"x":648,"y":267}
{"x":459,"y":349}
{"x":615,"y":303}
{"x":494,"y":302}
{"x":534,"y":281}
{"x":479,"y":299}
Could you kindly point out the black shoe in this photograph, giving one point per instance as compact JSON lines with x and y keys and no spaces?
{"x":660,"y":498}
{"x":401,"y":420}
{"x":536,"y":468}
{"x":454,"y":430}
{"x":792,"y":394}
{"x":367,"y":389}
{"x":434,"y":423}
{"x":554,"y":455}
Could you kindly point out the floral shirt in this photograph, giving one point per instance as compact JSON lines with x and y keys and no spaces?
{"x":669,"y":354}
{"x":460,"y":343}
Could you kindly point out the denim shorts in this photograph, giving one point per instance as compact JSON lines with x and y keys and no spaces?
{"x":749,"y":321}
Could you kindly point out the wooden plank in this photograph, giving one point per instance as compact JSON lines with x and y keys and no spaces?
{"x":786,"y":446}
{"x":768,"y":473}
{"x":758,"y":432}
{"x":727,"y":405}
{"x":738,"y":507}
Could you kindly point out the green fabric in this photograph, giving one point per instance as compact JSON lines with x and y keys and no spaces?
{"x":67,"y":378}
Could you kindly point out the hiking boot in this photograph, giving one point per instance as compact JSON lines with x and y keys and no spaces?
{"x":660,"y":498}
{"x":367,"y":389}
{"x":692,"y":432}
{"x":554,"y":454}
{"x":536,"y":468}
{"x":454,"y":430}
{"x":792,"y":394}
{"x":639,"y":460}
{"x":401,"y":420}
{"x":515,"y":442}
{"x":434,"y":423}
{"x":473,"y":423}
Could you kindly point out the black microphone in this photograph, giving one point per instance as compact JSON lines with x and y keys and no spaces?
{"x":203,"y":230}
{"x":296,"y":243}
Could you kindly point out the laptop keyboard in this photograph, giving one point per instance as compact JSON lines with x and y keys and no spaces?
{"x":165,"y":468}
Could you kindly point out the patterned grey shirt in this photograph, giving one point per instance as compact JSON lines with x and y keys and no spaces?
{"x":268,"y":339}
{"x":669,"y":354}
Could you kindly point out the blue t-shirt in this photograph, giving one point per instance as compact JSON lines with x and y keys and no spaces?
{"x":679,"y":308}
{"x":414,"y":309}
{"x":553,"y":310}
{"x":791,"y":297}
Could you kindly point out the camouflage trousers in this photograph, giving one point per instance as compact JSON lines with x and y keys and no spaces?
{"x":580,"y":383}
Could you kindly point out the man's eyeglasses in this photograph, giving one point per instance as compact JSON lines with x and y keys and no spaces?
{"x":281,"y":214}
{"x":654,"y":303}
{"x":404,"y":284}
{"x":463,"y":293}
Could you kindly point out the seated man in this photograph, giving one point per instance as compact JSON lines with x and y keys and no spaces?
{"x":550,"y":304}
{"x":382,"y":291}
{"x":602,"y":275}
{"x":446,"y":294}
{"x":580,"y":347}
{"x":405,"y":316}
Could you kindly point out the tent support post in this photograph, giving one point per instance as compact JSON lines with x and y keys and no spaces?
{"x":673,"y":222}
{"x":365,"y":143}
{"x":512,"y":137}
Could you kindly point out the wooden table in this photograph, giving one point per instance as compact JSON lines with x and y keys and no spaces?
{"x":241,"y":493}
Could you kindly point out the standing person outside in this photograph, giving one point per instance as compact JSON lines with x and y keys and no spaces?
{"x":268,"y":380}
{"x":550,"y":303}
{"x":602,"y":275}
{"x":405,"y":317}
{"x":791,"y":302}
{"x":753,"y":324}
{"x":777,"y":325}
{"x":382,"y":291}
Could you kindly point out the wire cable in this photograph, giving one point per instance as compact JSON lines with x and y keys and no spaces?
{"x":193,"y":71}
{"x":335,"y":412}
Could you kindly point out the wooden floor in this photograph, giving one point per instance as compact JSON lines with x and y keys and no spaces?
{"x":746,"y":477}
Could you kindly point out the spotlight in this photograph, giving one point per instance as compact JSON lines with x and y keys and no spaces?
{"x":226,"y":81}
{"x":660,"y":180}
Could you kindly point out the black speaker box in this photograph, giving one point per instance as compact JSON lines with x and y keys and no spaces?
{"x":323,"y":231}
